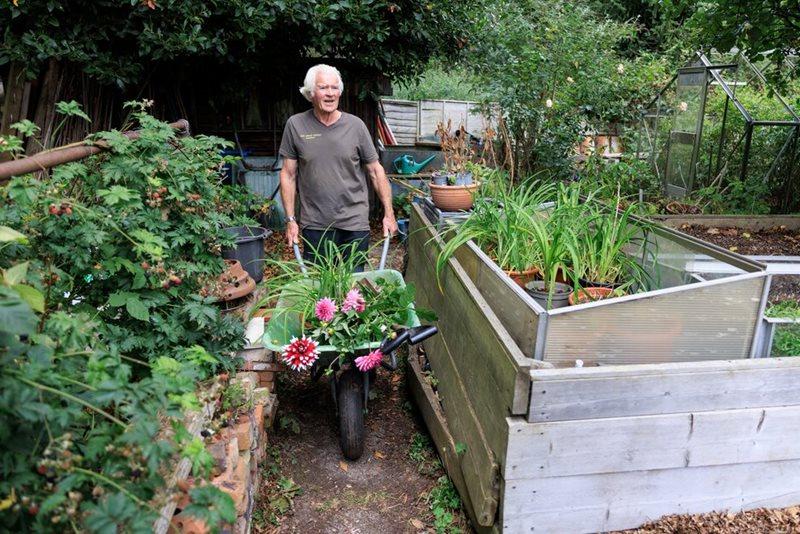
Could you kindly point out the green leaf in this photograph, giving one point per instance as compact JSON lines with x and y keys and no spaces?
{"x":25,"y":127}
{"x":16,"y":274}
{"x":72,"y":109}
{"x":137,"y":309}
{"x":9,"y":234}
{"x":121,"y":298}
{"x":31,"y":295}
{"x":51,"y":502}
{"x":117,"y":194}
{"x":16,"y":316}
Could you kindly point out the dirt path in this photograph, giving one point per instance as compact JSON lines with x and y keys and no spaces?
{"x":394,"y":487}
{"x":383,"y":492}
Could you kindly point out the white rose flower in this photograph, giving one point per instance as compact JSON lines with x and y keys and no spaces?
{"x":549,"y":103}
{"x":620,"y":68}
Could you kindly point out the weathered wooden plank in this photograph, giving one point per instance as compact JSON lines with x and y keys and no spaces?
{"x":484,"y":347}
{"x":478,"y":463}
{"x":618,"y":391}
{"x":732,"y":488}
{"x":648,"y":442}
{"x":470,"y":421}
{"x":435,"y":421}
{"x":612,"y":501}
{"x":513,"y":306}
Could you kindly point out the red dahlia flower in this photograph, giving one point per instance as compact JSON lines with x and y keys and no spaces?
{"x":301,"y":353}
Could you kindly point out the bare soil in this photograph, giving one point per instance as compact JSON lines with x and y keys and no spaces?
{"x":778,"y":241}
{"x":382,"y":492}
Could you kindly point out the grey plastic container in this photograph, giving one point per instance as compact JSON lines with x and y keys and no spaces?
{"x":249,"y":249}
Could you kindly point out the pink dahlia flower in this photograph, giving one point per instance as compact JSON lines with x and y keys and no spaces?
{"x":301,"y":353}
{"x":370,"y":361}
{"x":354,"y":301}
{"x":325,"y":309}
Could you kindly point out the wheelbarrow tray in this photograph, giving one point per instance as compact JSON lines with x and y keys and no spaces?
{"x":283,"y":325}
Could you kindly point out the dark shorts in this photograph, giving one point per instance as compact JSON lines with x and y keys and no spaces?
{"x":314,"y":242}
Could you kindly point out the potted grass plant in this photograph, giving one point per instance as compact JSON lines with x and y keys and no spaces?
{"x":497,"y":225}
{"x":608,"y":247}
{"x":558,"y":253}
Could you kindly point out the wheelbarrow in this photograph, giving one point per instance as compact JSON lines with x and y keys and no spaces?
{"x":349,"y":385}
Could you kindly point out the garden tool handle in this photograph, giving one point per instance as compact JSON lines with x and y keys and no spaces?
{"x":421,"y":333}
{"x":299,"y":258}
{"x":385,"y":251}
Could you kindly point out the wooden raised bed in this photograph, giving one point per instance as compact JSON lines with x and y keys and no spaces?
{"x":595,"y":448}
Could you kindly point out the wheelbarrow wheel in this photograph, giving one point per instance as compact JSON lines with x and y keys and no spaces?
{"x":351,"y":414}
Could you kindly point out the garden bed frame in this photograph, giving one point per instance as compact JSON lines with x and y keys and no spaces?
{"x":532,"y":447}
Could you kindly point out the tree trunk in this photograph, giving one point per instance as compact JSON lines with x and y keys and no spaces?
{"x":44,"y":117}
{"x":15,"y":106}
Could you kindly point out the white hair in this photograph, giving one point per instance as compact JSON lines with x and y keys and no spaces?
{"x":310,"y":82}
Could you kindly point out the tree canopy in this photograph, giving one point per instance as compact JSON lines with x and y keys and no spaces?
{"x":115,"y":41}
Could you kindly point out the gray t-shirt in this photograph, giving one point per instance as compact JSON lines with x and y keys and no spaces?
{"x":330,"y":176}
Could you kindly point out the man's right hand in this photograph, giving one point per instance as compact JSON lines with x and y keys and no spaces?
{"x":292,"y":233}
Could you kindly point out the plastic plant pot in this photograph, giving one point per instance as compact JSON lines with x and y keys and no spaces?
{"x":559,"y":298}
{"x":249,"y":249}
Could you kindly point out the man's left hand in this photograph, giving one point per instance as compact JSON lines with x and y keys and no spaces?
{"x":389,"y":225}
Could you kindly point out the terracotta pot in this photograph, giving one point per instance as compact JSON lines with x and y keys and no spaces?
{"x":235,"y":281}
{"x":523,"y":277}
{"x":588,"y":294}
{"x":453,"y":197}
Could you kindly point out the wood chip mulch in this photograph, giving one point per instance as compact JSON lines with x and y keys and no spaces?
{"x":761,"y":520}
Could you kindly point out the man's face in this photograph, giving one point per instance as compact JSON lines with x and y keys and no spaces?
{"x":326,"y":92}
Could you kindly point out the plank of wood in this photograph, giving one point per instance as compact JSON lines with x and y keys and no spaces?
{"x":640,"y":443}
{"x":618,"y":391}
{"x":479,"y":464}
{"x":621,"y":515}
{"x":513,"y":306}
{"x":599,"y":503}
{"x":484,"y":347}
{"x":435,"y":421}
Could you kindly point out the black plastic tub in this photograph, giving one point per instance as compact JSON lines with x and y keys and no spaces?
{"x":249,"y":249}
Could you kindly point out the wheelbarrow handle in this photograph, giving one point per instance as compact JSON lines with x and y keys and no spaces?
{"x":385,"y":252}
{"x":299,"y":258}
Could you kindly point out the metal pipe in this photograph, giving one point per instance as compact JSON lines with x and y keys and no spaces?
{"x":748,"y":140}
{"x":722,"y":134}
{"x":68,"y":153}
{"x":777,"y":123}
{"x":724,"y":85}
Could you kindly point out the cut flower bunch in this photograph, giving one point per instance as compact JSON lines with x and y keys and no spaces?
{"x":331,"y":309}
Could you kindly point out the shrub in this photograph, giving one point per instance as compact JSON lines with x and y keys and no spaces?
{"x":105,"y":331}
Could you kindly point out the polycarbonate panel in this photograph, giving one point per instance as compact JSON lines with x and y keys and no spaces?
{"x":669,"y":263}
{"x":705,"y":322}
{"x":683,"y":137}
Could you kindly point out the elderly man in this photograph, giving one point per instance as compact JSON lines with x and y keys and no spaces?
{"x":325,"y":155}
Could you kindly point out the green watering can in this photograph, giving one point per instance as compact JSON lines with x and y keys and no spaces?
{"x":405,"y":164}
